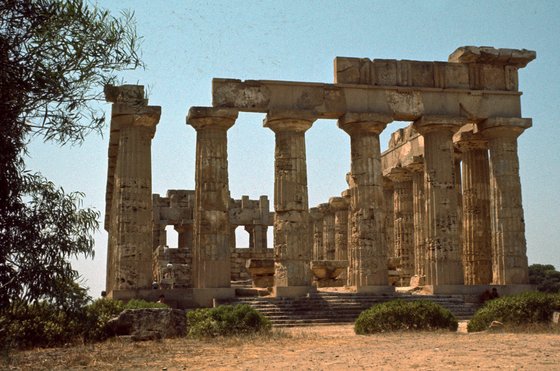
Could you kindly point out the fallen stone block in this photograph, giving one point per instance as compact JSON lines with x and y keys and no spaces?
{"x":149,"y":323}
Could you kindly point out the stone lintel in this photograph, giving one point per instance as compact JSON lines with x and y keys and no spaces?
{"x":504,"y":126}
{"x":367,"y":122}
{"x":130,"y":94}
{"x":427,"y":124}
{"x":404,"y":154}
{"x":518,"y":58}
{"x":332,"y":101}
{"x":211,"y":117}
{"x":417,"y":164}
{"x":338,"y":203}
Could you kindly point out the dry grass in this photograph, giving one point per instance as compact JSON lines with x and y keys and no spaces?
{"x":328,"y":347}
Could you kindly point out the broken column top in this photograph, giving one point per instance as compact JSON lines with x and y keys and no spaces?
{"x":125,"y":94}
{"x":489,"y":55}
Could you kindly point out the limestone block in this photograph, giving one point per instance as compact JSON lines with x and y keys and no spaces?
{"x":485,"y":54}
{"x":149,"y":324}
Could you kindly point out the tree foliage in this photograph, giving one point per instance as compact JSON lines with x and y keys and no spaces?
{"x":545,"y":276}
{"x":55,"y":58}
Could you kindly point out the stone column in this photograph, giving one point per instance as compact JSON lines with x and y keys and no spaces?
{"x":259,"y":237}
{"x":459,"y":190}
{"x":329,"y":242}
{"x":317,"y":231}
{"x":369,"y":255}
{"x":132,"y":205}
{"x":349,"y":271}
{"x":211,"y":253}
{"x":185,"y":236}
{"x":419,"y":219}
{"x":477,"y":250}
{"x":444,"y":265}
{"x":340,"y":208}
{"x":509,"y":250}
{"x":388,"y":190}
{"x":292,"y":245}
{"x":403,"y":223}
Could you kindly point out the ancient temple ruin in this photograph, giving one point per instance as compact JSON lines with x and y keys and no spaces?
{"x":441,"y":208}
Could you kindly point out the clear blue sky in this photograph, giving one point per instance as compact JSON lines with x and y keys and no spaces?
{"x":187,"y":43}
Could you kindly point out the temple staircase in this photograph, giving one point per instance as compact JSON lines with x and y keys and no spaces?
{"x":327,"y":308}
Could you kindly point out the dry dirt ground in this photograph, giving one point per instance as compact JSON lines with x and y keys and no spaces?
{"x":311,"y":348}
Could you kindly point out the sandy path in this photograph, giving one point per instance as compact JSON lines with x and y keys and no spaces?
{"x":314,"y":348}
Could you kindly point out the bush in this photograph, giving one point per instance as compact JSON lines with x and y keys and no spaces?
{"x":226,"y":320}
{"x":521,"y":309}
{"x":405,"y":315}
{"x":38,"y":324}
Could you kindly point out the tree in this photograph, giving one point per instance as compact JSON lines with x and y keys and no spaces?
{"x":55,"y":58}
{"x":545,"y":276}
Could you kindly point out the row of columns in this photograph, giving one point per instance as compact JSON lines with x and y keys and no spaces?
{"x":367,"y":252}
{"x":473,"y":235}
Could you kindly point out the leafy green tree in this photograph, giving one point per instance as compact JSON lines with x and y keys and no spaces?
{"x":55,"y":58}
{"x":545,"y":276}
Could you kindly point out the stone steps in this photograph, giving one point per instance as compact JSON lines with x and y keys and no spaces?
{"x":336,"y":308}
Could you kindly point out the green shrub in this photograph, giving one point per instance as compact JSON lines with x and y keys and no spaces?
{"x":226,"y":320}
{"x":38,"y":324}
{"x":526,"y":308}
{"x":405,"y":315}
{"x":97,"y":314}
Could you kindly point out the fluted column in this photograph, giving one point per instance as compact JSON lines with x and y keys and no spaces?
{"x":292,"y":245}
{"x":388,"y":190}
{"x":133,"y":125}
{"x":340,"y":208}
{"x":212,"y":229}
{"x":403,"y":223}
{"x":444,"y":265}
{"x":317,"y":232}
{"x":369,"y":255}
{"x":419,"y":219}
{"x":477,"y":251}
{"x":509,"y":248}
{"x":329,"y":242}
{"x":349,"y":251}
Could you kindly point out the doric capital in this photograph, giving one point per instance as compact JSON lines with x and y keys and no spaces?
{"x":211,"y":118}
{"x":325,"y":208}
{"x":428,"y":124}
{"x":399,"y":175}
{"x":289,"y":120}
{"x":315,"y":214}
{"x":338,"y":203}
{"x":346,"y":195}
{"x":468,"y":138}
{"x":368,"y":122}
{"x":496,"y":127}
{"x":146,"y":117}
{"x":417,"y":165}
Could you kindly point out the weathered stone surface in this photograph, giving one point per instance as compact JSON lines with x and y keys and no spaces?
{"x":369,"y":255}
{"x":316,"y":217}
{"x":477,"y":251}
{"x":149,"y":324}
{"x":262,"y":272}
{"x":292,"y":243}
{"x":128,"y":210}
{"x":444,"y":259}
{"x":509,"y":249}
{"x":403,"y":224}
{"x":518,"y":58}
{"x":212,"y":254}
